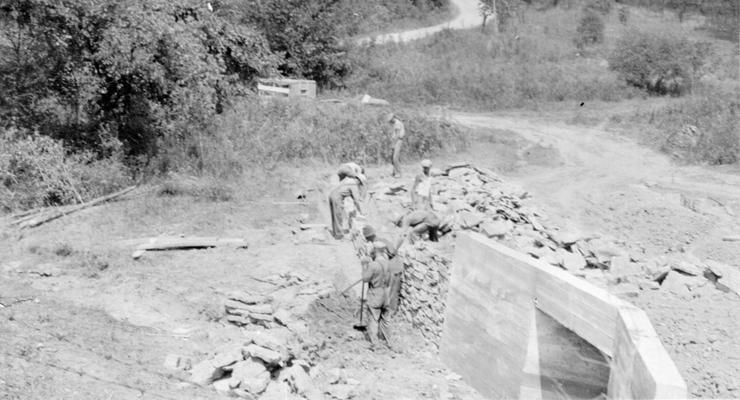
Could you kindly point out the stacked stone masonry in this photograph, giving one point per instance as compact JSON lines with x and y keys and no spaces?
{"x":424,"y":290}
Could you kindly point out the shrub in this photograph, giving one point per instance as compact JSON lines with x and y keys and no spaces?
{"x":590,"y":29}
{"x":698,"y":128}
{"x":265,"y":133}
{"x":37,"y":171}
{"x":602,"y":7}
{"x":475,"y":70}
{"x":657,"y":62}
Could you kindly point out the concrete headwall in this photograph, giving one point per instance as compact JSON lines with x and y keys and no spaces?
{"x":493,"y":336}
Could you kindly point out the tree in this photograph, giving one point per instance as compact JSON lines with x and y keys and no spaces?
{"x":659,"y":63}
{"x":139,"y":70}
{"x":305,"y":33}
{"x":590,"y":29}
{"x":498,"y":10}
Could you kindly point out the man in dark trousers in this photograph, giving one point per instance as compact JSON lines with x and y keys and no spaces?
{"x":395,"y":265}
{"x":348,"y":188}
{"x":376,"y":274}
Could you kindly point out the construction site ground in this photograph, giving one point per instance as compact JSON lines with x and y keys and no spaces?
{"x":83,"y":320}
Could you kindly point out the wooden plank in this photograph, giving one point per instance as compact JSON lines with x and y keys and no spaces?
{"x":42,"y":219}
{"x":177,"y":243}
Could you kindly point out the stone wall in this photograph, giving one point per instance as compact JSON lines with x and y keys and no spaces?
{"x":424,"y":287}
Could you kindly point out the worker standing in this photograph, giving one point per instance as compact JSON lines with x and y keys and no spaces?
{"x":347,"y":188}
{"x":398,"y":133}
{"x":395,"y":265}
{"x":375,"y":273}
{"x":421,"y":192}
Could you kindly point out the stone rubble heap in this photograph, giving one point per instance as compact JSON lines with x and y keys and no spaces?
{"x":265,"y":366}
{"x":480,"y":201}
{"x":424,"y":291}
{"x":243,"y":309}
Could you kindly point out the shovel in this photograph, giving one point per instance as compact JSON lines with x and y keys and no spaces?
{"x":361,"y":326}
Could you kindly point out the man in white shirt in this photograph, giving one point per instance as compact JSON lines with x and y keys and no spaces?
{"x":399,"y":132}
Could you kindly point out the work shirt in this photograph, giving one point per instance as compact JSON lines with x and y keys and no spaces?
{"x":399,"y":131}
{"x":349,"y":169}
{"x":415,"y":218}
{"x":348,"y":187}
{"x":377,"y":277}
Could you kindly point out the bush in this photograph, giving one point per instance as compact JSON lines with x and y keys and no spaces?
{"x":590,"y":29}
{"x":603,"y":7}
{"x":658,"y":62}
{"x":699,"y":128}
{"x":275,"y":131}
{"x":475,"y":70}
{"x":37,"y":171}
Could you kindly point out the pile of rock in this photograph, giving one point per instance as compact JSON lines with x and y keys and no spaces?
{"x":424,"y":290}
{"x":249,"y":309}
{"x":264,"y":367}
{"x":480,"y":201}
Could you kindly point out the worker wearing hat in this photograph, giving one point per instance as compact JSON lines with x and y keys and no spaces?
{"x":348,"y":188}
{"x":421,"y":192}
{"x":376,"y":274}
{"x":398,"y":133}
{"x":395,"y":266}
{"x":352,"y":170}
{"x":420,"y":222}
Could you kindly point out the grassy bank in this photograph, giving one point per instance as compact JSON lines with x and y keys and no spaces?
{"x":531,"y":62}
{"x":700,"y":128}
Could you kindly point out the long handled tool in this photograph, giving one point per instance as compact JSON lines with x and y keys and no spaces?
{"x":361,"y":326}
{"x":350,"y":287}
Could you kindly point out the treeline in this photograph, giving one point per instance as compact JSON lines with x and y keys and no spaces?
{"x":94,"y":92}
{"x":141,"y":70}
{"x":723,"y":15}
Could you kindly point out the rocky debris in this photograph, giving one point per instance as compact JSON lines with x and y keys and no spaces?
{"x":265,"y":366}
{"x":477,"y":200}
{"x":246,"y":309}
{"x":498,"y":228}
{"x":681,"y":284}
{"x":177,"y":362}
{"x":571,"y":261}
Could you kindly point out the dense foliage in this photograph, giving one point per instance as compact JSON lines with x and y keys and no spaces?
{"x":135,"y":71}
{"x":659,"y":63}
{"x":590,"y":29}
{"x":723,"y":16}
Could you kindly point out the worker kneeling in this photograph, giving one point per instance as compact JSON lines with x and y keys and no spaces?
{"x":377,"y":275}
{"x":420,"y":222}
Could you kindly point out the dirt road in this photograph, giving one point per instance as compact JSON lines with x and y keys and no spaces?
{"x":592,"y":172}
{"x":467,"y":17}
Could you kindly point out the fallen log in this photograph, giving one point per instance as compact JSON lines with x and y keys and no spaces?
{"x":58,"y":213}
{"x":177,"y":243}
{"x":733,"y":238}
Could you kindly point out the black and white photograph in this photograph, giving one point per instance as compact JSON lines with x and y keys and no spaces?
{"x":369,"y":199}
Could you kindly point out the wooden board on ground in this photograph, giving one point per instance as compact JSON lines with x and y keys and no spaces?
{"x":55,"y":213}
{"x":186,"y":243}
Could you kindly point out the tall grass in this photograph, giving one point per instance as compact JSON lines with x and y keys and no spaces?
{"x":531,"y":62}
{"x":38,"y":171}
{"x":268,"y":132}
{"x":714,"y":113}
